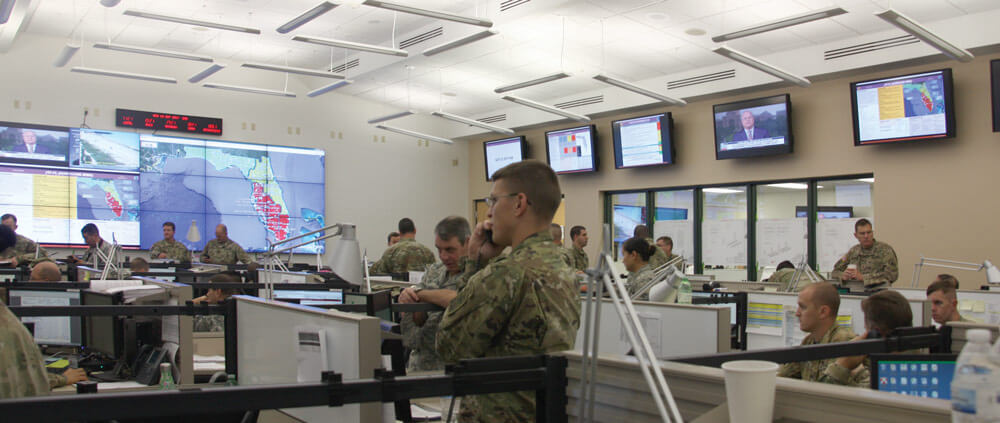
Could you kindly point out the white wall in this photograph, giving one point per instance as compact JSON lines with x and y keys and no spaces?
{"x":372,"y":184}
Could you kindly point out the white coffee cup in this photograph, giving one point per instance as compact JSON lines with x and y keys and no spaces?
{"x":750,"y":390}
{"x":852,"y":266}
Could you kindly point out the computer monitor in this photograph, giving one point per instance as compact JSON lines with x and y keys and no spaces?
{"x":572,"y":150}
{"x":919,"y":106}
{"x":732,"y":306}
{"x":378,"y":303}
{"x":102,"y":334}
{"x":919,"y":375}
{"x":51,"y":330}
{"x":500,"y":153}
{"x":310,"y":297}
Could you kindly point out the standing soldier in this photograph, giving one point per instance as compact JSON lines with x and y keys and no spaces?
{"x":578,"y":234}
{"x":871,"y":262}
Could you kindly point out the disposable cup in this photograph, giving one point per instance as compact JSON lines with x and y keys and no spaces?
{"x":750,"y":390}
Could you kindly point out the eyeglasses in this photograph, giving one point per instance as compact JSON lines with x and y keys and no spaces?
{"x":492,"y":200}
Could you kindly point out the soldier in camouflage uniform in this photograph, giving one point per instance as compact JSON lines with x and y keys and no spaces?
{"x":784,"y":275}
{"x":523,"y":303}
{"x":884,"y":312}
{"x":24,"y":250}
{"x":578,"y":234}
{"x":168,"y":247}
{"x":407,"y":255}
{"x":92,"y":237}
{"x":637,"y":253}
{"x":215,"y":322}
{"x":438,"y":286}
{"x":666,"y":244}
{"x":658,"y":258}
{"x":817,"y":313}
{"x":223,"y":250}
{"x":556,"y":232}
{"x":877,"y":266}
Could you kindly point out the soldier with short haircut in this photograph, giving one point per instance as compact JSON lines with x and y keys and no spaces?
{"x":877,"y":265}
{"x":92,"y":237}
{"x":884,"y":312}
{"x":659,"y":258}
{"x":556,"y":230}
{"x":24,"y":251}
{"x":407,"y":255}
{"x":818,"y":305}
{"x":46,"y":271}
{"x":667,"y":245}
{"x":944,"y":299}
{"x":168,"y":247}
{"x":215,"y":322}
{"x":392,"y":239}
{"x":223,"y":250}
{"x":783,"y":275}
{"x":523,"y":303}
{"x":578,"y":234}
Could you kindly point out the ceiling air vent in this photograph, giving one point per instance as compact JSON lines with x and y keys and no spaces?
{"x":838,"y":53}
{"x":493,"y":119}
{"x":419,"y":38}
{"x":581,"y":102}
{"x":506,"y":5}
{"x":701,"y":79}
{"x":344,"y":67}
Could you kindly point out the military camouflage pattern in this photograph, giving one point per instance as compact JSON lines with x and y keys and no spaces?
{"x":55,"y":380}
{"x":659,"y":258}
{"x":639,"y":278}
{"x":24,"y":251}
{"x":580,"y":260}
{"x":878,"y":265}
{"x":174,"y":250}
{"x":567,"y":256}
{"x":210,"y":323}
{"x":225,"y":252}
{"x":407,"y":255}
{"x":91,"y":256}
{"x":679,"y":265}
{"x":21,"y":371}
{"x":524,"y":303}
{"x":826,"y":370}
{"x":420,"y":339}
{"x":784,"y":277}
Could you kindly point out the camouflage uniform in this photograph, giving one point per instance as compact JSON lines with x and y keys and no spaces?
{"x":90,"y":257}
{"x":421,"y":338}
{"x":521,"y":304}
{"x":567,"y":256}
{"x":659,"y":258}
{"x":226,"y":252}
{"x":784,"y":277}
{"x":210,"y":323}
{"x":826,"y":370}
{"x":24,"y":251}
{"x":405,"y":256}
{"x":174,"y":250}
{"x":639,"y":278}
{"x":878,"y":265}
{"x":679,"y":265}
{"x":21,"y":370}
{"x":580,"y":260}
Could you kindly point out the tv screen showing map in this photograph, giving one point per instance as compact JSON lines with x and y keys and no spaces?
{"x":903,"y":108}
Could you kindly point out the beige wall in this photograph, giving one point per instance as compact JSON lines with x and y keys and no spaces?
{"x":935,"y":198}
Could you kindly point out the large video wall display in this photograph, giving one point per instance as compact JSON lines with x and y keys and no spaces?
{"x":59,"y":179}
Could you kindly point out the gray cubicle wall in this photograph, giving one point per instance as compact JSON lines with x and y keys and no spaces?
{"x":267,"y":350}
{"x":673,"y":329}
{"x":758,"y":337}
{"x":976,"y":305}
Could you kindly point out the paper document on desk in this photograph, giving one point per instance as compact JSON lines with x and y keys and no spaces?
{"x":765,"y":319}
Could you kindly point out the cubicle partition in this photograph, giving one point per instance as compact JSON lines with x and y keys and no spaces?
{"x":978,"y":306}
{"x":269,"y":349}
{"x":772,"y":322}
{"x":177,"y":329}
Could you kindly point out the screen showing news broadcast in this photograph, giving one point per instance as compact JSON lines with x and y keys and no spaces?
{"x":751,"y":128}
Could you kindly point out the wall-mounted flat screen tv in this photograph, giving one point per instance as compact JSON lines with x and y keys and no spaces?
{"x":750,"y":128}
{"x":912,"y":107}
{"x":572,"y":150}
{"x":643,"y":141}
{"x":500,"y":153}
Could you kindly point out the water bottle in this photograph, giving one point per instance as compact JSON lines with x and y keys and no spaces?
{"x":684,"y":292}
{"x":231,"y":380}
{"x":994,"y":407}
{"x":970,"y":388}
{"x":166,"y":377}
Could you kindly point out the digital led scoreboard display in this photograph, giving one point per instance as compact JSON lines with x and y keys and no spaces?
{"x":168,"y":122}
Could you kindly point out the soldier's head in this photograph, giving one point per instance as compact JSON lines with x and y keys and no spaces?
{"x":818,"y":305}
{"x":640,"y":231}
{"x":169,"y":230}
{"x":578,"y":234}
{"x":944,"y":300}
{"x":522,"y":201}
{"x":406,"y":228}
{"x":45,"y":271}
{"x":666,"y":244}
{"x":216,"y":295}
{"x":221,"y":232}
{"x":138,"y":265}
{"x":864,"y":233}
{"x":7,"y":237}
{"x":556,"y":231}
{"x":885,"y":311}
{"x":9,"y":221}
{"x":636,"y":253}
{"x":785,"y":265}
{"x":392,"y":239}
{"x":91,"y":235}
{"x":450,"y":237}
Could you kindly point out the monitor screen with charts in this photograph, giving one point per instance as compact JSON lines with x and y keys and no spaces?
{"x":54,"y":330}
{"x":919,"y":375}
{"x":903,"y":108}
{"x":572,"y":150}
{"x":643,"y":141}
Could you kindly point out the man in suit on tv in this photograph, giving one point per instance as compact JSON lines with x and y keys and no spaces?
{"x":749,"y":132}
{"x":29,"y":145}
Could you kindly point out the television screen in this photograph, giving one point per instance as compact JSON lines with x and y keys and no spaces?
{"x":572,"y":150}
{"x":109,"y":150}
{"x":643,"y":141}
{"x":750,"y":128}
{"x":33,"y":144}
{"x":903,"y":108}
{"x":500,"y":153}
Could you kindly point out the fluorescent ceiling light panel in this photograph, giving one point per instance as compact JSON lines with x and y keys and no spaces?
{"x":300,"y":71}
{"x":429,"y":13}
{"x":65,"y":55}
{"x":415,"y":134}
{"x":306,"y":17}
{"x":925,"y":35}
{"x":790,"y":185}
{"x":153,"y":52}
{"x":209,"y":71}
{"x":350,"y":45}
{"x":723,"y":190}
{"x":249,"y":89}
{"x":6,"y":7}
{"x":752,"y":62}
{"x":781,"y":23}
{"x":129,"y":75}
{"x":639,"y":90}
{"x":547,"y":78}
{"x":460,"y":42}
{"x":868,"y":180}
{"x":546,"y":108}
{"x":327,"y":88}
{"x":186,"y":21}
{"x":392,"y":116}
{"x":473,"y":122}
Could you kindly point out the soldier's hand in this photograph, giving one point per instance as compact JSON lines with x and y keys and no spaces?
{"x":162,"y":255}
{"x":409,"y":296}
{"x":479,"y":246}
{"x":74,"y":375}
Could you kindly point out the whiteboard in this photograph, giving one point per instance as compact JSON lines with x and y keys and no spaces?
{"x":781,"y":239}
{"x":724,"y":242}
{"x":681,"y":232}
{"x":833,"y":238}
{"x":672,"y":329}
{"x":266,"y":351}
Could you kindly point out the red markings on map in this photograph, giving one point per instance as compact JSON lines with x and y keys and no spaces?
{"x":276,"y":221}
{"x":927,"y":101}
{"x":113,"y":202}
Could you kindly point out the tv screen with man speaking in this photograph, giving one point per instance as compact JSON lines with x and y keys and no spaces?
{"x":750,"y":128}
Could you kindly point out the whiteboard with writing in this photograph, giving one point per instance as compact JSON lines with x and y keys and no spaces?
{"x":681,"y":232}
{"x":833,"y":238}
{"x":781,"y":239}
{"x":724,"y":242}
